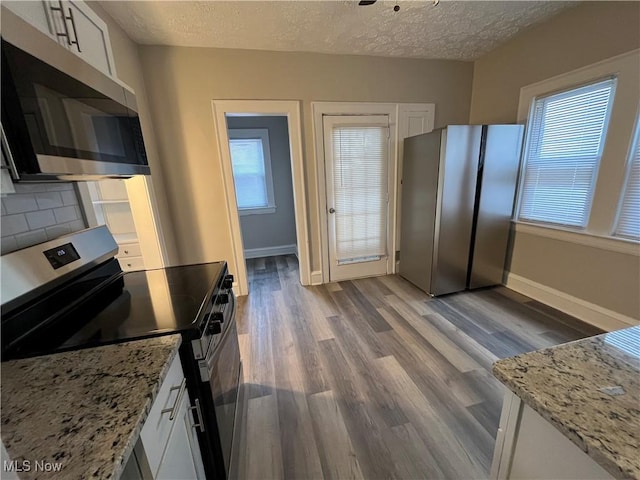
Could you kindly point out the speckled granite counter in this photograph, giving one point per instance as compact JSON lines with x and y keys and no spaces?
{"x":564,"y":384}
{"x":83,"y":409}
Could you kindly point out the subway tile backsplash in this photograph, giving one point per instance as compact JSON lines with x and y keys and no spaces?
{"x":38,"y":212}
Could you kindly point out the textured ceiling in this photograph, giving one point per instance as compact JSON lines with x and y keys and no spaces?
{"x":461,"y":30}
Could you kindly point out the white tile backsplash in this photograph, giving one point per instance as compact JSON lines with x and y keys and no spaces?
{"x":19,"y":203}
{"x":66,"y":214}
{"x":59,"y":230}
{"x":30,"y":187}
{"x":13,"y":224}
{"x":38,"y":212}
{"x":59,"y":187}
{"x":33,"y":237}
{"x":69,"y":197}
{"x":49,"y":200}
{"x":40,"y":219}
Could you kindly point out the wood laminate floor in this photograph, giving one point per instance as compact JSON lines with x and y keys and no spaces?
{"x":374,"y":379}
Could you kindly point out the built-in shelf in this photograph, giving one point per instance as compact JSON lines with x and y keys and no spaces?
{"x":127,"y":208}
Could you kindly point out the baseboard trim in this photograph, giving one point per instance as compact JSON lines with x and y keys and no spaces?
{"x":316,"y":277}
{"x":587,"y":312}
{"x":270,"y":251}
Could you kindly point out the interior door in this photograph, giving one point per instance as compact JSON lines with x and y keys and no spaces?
{"x":357,"y":185}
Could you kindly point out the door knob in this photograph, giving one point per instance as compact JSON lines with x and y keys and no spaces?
{"x":332,"y":210}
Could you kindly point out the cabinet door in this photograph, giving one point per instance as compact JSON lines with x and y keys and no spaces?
{"x":181,"y":459}
{"x":39,"y":15}
{"x":90,"y":31}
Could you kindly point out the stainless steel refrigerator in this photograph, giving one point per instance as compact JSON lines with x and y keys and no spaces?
{"x":458,"y":191}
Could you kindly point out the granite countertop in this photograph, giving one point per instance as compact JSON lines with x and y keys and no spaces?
{"x":82,"y":410}
{"x":567,"y":386}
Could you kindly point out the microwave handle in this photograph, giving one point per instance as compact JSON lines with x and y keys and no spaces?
{"x":8,"y":156}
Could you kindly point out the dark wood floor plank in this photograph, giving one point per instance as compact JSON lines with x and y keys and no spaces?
{"x":355,"y":320}
{"x":293,"y":319}
{"x":365,"y":307}
{"x":371,"y":386}
{"x":466,"y":343}
{"x":450,"y":455}
{"x":366,"y":434}
{"x":423,"y":331}
{"x":337,"y":455}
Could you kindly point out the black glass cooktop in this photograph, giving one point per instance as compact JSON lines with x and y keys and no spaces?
{"x":102,"y":308}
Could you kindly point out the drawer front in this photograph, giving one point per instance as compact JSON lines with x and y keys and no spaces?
{"x":129,"y":250}
{"x":157,"y":427}
{"x":129,"y":264}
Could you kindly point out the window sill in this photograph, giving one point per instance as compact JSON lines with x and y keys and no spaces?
{"x":256,"y":211}
{"x":612,"y":244}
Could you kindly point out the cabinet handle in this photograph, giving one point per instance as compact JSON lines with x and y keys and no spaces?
{"x":75,"y":31}
{"x":64,"y":22}
{"x":200,"y":423}
{"x":126,"y":251}
{"x":173,"y":410}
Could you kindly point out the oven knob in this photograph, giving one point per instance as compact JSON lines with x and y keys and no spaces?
{"x":223,"y":298}
{"x":227,"y":283}
{"x":214,"y":328}
{"x":216,"y":317}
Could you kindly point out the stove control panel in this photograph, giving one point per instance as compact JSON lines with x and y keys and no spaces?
{"x":62,"y":255}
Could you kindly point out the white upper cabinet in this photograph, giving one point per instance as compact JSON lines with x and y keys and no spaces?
{"x":74,"y":25}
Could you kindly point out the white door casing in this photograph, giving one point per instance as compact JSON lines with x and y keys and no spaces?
{"x":291,"y":110}
{"x":413,"y":119}
{"x":319,"y":109}
{"x":357,"y":175}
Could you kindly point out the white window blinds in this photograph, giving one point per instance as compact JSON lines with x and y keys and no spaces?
{"x":249,"y":173}
{"x":566,"y":137}
{"x":628,"y":224}
{"x":360,"y":192}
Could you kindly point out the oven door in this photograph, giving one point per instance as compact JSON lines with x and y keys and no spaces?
{"x":223,"y":369}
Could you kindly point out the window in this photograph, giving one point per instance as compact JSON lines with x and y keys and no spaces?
{"x":566,"y":135}
{"x":628,"y":224}
{"x":251,"y":163}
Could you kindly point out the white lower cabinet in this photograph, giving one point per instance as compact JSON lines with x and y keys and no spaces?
{"x":529,"y":447}
{"x":168,"y":447}
{"x":181,"y":457}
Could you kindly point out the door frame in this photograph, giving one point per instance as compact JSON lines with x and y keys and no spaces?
{"x":284,"y":108}
{"x":319,"y":109}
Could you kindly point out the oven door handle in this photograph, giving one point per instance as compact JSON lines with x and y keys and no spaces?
{"x":200,"y":423}
{"x":212,"y":353}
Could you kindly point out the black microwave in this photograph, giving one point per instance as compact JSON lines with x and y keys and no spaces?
{"x":61,"y":118}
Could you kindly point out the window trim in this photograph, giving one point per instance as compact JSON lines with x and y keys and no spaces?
{"x":624,"y":66}
{"x":583,"y":228}
{"x":635,"y":140}
{"x":263,"y":135}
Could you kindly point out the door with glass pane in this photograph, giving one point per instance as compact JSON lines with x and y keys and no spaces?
{"x":357,"y":184}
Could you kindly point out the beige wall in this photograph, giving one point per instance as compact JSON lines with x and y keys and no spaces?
{"x":129,"y":70}
{"x":580,"y":36}
{"x":182,"y":82}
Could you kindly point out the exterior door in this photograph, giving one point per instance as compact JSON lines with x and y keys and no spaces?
{"x":357,"y":185}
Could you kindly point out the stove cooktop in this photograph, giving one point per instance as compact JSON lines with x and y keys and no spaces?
{"x":132,"y":306}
